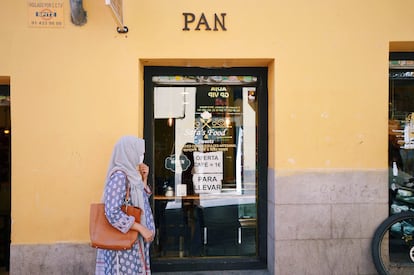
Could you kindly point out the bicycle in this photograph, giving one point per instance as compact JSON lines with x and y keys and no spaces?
{"x":392,"y":246}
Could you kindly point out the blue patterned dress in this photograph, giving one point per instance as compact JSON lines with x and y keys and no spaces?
{"x":136,"y":260}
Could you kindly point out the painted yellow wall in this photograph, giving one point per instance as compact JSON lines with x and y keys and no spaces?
{"x":75,"y":90}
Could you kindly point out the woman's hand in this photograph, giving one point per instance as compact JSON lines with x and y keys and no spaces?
{"x":146,"y":234}
{"x":143,"y":169}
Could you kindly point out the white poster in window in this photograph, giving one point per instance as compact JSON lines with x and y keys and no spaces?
{"x":208,"y":172}
{"x":181,"y":190}
{"x":207,"y":183}
{"x":208,"y":162}
{"x":170,"y":102}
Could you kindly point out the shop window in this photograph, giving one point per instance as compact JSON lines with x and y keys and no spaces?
{"x":205,"y":129}
{"x":401,"y":122}
{"x":401,"y":151}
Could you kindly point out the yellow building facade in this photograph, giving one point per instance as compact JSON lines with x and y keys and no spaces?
{"x":76,"y":89}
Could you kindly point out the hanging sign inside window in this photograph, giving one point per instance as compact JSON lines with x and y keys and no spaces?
{"x":207,"y":183}
{"x":208,"y":162}
{"x":208,"y":168}
{"x":45,"y":13}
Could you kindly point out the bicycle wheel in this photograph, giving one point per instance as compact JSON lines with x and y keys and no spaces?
{"x":392,"y":245}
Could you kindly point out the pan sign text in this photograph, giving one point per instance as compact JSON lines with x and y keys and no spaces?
{"x":195,"y":22}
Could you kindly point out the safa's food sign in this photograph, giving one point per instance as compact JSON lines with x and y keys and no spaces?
{"x":215,"y":111}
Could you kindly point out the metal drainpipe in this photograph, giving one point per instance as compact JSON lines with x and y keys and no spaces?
{"x":77,"y":13}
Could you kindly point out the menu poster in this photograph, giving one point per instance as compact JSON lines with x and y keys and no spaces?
{"x":208,"y":176}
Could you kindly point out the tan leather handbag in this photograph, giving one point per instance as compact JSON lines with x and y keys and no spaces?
{"x":103,"y":235}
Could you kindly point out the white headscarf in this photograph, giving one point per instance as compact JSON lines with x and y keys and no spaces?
{"x":127,"y":154}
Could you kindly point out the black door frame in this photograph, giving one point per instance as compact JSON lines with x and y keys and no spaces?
{"x":219,"y":263}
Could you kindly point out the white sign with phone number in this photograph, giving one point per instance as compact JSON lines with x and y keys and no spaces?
{"x":45,"y":13}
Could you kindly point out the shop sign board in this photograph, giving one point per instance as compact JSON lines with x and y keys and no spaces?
{"x":197,"y":22}
{"x":117,"y":9}
{"x":45,"y":13}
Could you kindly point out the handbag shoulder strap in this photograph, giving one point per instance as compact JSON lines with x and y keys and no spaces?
{"x":128,"y":186}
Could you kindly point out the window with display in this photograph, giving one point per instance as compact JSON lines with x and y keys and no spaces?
{"x":401,"y":153}
{"x":205,"y":129}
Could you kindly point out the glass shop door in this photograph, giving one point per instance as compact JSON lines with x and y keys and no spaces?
{"x":204,"y":137}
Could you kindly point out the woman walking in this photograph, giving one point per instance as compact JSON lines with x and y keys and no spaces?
{"x":127,"y":170}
